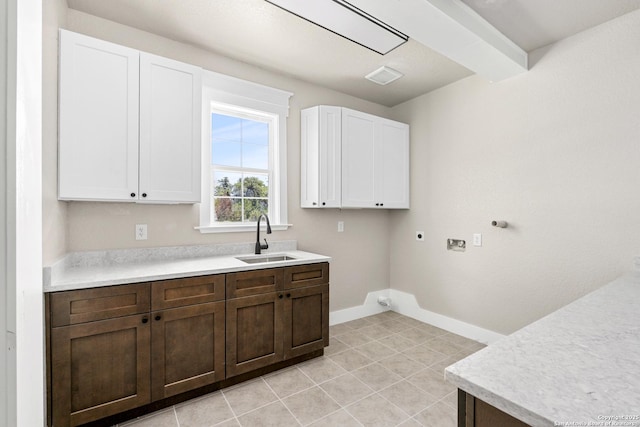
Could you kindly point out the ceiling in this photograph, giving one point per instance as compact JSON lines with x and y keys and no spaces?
{"x":259,"y":33}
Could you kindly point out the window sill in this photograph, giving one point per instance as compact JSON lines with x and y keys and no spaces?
{"x":239,"y":228}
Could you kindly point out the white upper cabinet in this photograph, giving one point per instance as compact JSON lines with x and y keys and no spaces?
{"x":320,"y":184}
{"x":129,"y":124}
{"x":391,"y":154}
{"x":375,"y":162}
{"x":351,"y":159}
{"x":358,"y":159}
{"x":170,"y":114}
{"x":98,"y":139}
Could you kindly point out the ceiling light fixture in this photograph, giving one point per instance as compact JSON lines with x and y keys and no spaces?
{"x":384,"y":75}
{"x":347,"y":21}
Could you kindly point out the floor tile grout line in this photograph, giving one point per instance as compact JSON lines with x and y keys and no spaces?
{"x":342,"y":408}
{"x":175,"y":415}
{"x":235,"y":417}
{"x":282,"y":402}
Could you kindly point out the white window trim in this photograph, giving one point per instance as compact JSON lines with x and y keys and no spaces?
{"x":229,"y":90}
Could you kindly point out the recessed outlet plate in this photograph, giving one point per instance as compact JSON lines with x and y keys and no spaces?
{"x":457,"y":245}
{"x":141,"y":231}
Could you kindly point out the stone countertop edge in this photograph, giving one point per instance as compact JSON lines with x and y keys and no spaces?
{"x":82,"y":270}
{"x":575,"y":365}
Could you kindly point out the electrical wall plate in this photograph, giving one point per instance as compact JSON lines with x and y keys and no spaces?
{"x":457,"y":245}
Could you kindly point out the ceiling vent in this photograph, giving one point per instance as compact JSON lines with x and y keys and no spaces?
{"x":384,"y":75}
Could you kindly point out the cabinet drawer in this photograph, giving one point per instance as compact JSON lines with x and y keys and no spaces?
{"x":88,"y":305}
{"x":254,"y":282}
{"x":188,"y":291}
{"x":306,"y":275}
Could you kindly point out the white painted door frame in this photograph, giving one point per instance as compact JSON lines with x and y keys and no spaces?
{"x":22,"y":327}
{"x":3,"y":236}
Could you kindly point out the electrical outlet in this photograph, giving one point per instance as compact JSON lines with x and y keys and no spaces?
{"x":141,"y":231}
{"x":477,"y":239}
{"x":340,"y":226}
{"x":420,"y":236}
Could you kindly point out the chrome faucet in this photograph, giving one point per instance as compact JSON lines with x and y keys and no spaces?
{"x":260,"y":246}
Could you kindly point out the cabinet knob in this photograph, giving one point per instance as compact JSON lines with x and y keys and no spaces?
{"x":323,"y":204}
{"x":288,"y":295}
{"x":314,"y":203}
{"x":381,"y":204}
{"x":158,"y":317}
{"x":377,"y":204}
{"x":133,"y":194}
{"x":145,"y":319}
{"x":144,"y":194}
{"x":280,"y":296}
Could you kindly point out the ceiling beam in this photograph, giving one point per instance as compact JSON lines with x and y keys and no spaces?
{"x":454,"y":30}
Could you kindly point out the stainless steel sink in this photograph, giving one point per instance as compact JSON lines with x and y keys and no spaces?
{"x":264,"y":258}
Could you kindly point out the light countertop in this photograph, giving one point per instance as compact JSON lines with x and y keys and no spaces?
{"x":82,"y":270}
{"x":578,"y":365}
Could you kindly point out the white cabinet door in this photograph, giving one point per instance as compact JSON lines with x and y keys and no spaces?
{"x":358,"y":159}
{"x":98,"y":140}
{"x":170,"y":114}
{"x":320,"y":173}
{"x":375,"y":162}
{"x":392,"y":164}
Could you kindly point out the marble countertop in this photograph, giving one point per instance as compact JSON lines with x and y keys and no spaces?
{"x":82,"y":270}
{"x":578,"y":366}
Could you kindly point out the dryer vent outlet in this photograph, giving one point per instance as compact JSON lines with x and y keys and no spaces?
{"x":384,"y":301}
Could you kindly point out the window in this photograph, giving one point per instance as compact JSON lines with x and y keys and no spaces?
{"x":240,"y":148}
{"x":244,"y":155}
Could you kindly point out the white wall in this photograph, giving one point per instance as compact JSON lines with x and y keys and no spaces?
{"x":361,"y":253}
{"x":556,"y":153}
{"x":4,"y":381}
{"x":54,"y":221}
{"x":23,"y":306}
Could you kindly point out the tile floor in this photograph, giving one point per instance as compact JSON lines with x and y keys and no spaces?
{"x":382,"y":370}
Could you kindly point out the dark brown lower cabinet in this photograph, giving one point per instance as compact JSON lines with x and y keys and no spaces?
{"x":254,"y":332}
{"x":306,"y":320}
{"x":100,"y":368}
{"x":473,"y":412}
{"x":267,"y":328}
{"x":187,"y":348}
{"x":118,"y":348}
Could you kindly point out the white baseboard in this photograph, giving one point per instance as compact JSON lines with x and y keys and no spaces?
{"x":369,"y":308}
{"x":407,"y":305}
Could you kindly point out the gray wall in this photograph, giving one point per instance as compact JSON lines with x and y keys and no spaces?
{"x":556,"y":153}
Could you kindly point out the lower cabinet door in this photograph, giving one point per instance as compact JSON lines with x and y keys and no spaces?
{"x":187,"y":348}
{"x":99,"y":369}
{"x":254,"y":332}
{"x":306,"y":320}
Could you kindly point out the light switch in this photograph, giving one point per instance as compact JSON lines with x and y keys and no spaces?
{"x":477,"y":239}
